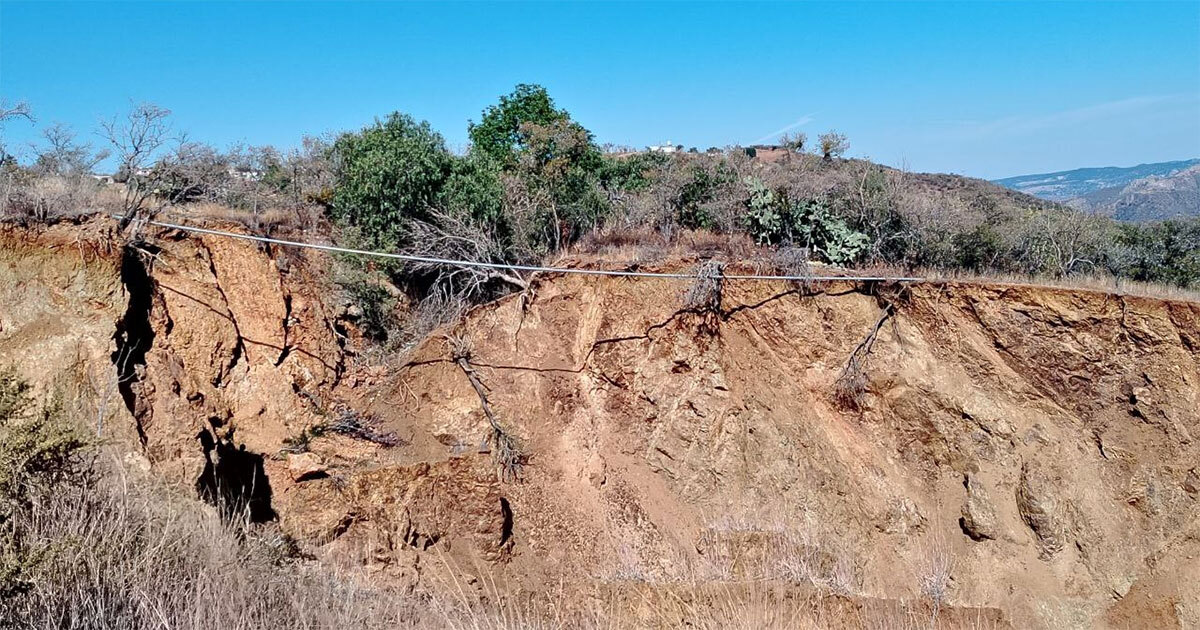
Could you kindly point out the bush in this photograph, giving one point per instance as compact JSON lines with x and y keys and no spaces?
{"x":388,"y":174}
{"x":474,"y":191}
{"x":630,"y":174}
{"x":39,"y":450}
{"x":773,"y":218}
{"x":1166,"y":252}
{"x":692,"y":199}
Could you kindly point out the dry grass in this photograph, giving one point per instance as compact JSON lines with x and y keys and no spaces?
{"x":1101,"y":283}
{"x":632,"y":246}
{"x":125,"y":552}
{"x":266,"y":220}
{"x":131,"y":553}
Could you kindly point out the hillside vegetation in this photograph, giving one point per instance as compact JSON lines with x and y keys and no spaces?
{"x":533,"y":184}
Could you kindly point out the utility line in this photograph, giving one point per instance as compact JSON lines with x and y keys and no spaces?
{"x":501,"y":266}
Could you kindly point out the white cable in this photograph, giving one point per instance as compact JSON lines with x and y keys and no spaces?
{"x":532,"y":268}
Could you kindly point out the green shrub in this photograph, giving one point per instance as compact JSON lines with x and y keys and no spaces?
{"x":1166,"y":252}
{"x":388,"y":174}
{"x":630,"y":174}
{"x":773,"y":218}
{"x":474,"y":190}
{"x":698,"y":191}
{"x":39,"y":449}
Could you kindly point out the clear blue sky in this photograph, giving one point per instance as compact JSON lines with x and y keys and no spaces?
{"x":986,"y":89}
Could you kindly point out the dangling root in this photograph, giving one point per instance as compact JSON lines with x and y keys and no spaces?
{"x":507,"y":449}
{"x":851,"y":386}
{"x":704,"y":296}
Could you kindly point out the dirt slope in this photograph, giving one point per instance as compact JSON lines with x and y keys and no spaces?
{"x":1034,"y":444}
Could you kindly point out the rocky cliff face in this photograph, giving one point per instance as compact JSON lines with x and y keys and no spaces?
{"x":1153,"y":198}
{"x":1023,"y":449}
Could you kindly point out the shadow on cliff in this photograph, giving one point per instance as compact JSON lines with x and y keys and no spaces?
{"x":234,"y":479}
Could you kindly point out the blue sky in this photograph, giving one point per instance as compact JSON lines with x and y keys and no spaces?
{"x":984,"y":89}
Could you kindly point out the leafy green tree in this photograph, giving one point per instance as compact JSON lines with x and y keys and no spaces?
{"x":551,"y":164}
{"x":499,"y":134}
{"x":387,"y":175}
{"x":474,"y":190}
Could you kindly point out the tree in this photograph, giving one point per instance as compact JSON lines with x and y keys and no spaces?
{"x":794,"y":141}
{"x":9,"y":112}
{"x":388,"y":174}
{"x":65,"y":156}
{"x":833,"y":144}
{"x":549,"y":166}
{"x":138,"y":140}
{"x":499,"y":134}
{"x":559,"y":162}
{"x":20,"y":109}
{"x":59,"y":182}
{"x":192,"y":171}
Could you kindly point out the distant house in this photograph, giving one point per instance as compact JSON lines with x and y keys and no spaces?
{"x":768,"y":152}
{"x":103,"y":179}
{"x":245,"y":174}
{"x":666,"y":147}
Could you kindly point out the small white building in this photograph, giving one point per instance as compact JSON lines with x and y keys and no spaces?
{"x":666,"y":147}
{"x":244,"y":174}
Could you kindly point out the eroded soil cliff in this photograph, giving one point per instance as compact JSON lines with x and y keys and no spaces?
{"x":1032,"y":444}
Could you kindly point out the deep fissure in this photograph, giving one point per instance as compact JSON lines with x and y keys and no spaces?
{"x":134,"y":335}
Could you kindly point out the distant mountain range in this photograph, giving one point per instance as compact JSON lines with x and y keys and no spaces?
{"x":1147,"y":192}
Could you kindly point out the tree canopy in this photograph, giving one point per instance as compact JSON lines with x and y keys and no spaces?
{"x":499,"y":132}
{"x":389,"y":173}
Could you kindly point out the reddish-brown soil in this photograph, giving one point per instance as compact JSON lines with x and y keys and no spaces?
{"x":1033,"y":444}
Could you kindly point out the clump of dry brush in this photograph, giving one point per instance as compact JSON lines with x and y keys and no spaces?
{"x":704,"y":296}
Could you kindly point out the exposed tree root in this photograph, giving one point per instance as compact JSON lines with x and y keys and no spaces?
{"x":507,"y":450}
{"x":704,"y":296}
{"x":851,"y":386}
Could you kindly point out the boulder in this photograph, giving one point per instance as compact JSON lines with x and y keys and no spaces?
{"x":305,"y":467}
{"x":978,"y":516}
{"x":1040,"y":508}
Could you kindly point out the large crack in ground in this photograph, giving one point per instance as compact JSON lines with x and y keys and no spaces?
{"x":134,"y":334}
